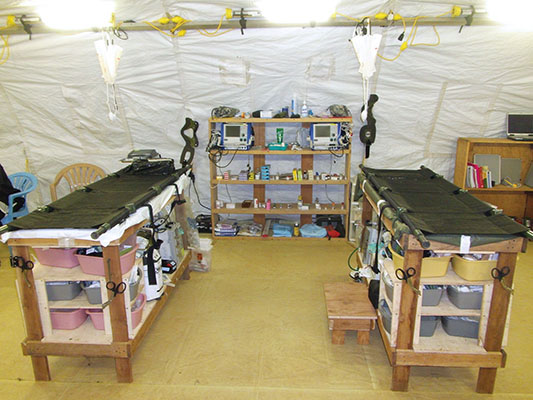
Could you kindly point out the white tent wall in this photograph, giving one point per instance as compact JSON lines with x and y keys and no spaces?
{"x":54,"y":98}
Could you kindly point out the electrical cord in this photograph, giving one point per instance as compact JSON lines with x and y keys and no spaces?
{"x":339,"y":155}
{"x":204,"y":32}
{"x":215,"y":158}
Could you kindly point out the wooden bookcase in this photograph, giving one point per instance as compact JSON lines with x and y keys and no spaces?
{"x":304,"y":159}
{"x":515,"y":202}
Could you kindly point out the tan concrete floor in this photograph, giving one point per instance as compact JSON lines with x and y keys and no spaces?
{"x":255,"y":327}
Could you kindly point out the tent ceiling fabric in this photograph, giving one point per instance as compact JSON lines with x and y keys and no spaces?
{"x":54,"y":98}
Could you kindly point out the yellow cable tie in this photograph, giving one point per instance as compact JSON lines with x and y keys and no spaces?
{"x":163,"y":20}
{"x":11,"y":21}
{"x":380,"y":15}
{"x":229,"y":13}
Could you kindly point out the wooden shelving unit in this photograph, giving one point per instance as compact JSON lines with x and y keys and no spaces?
{"x":262,"y":156}
{"x":515,"y":202}
{"x":118,"y":340}
{"x":403,"y":346}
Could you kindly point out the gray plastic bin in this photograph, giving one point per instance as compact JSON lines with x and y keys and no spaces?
{"x":389,"y":286}
{"x":94,"y":294}
{"x":428,"y":324}
{"x":58,"y":291}
{"x":465,"y":300}
{"x":461,"y":326}
{"x":386,"y":314}
{"x":431,"y":295}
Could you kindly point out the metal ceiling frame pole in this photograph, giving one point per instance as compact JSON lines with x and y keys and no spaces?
{"x":261,"y":23}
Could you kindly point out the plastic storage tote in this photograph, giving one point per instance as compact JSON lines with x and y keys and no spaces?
{"x":473,"y":270}
{"x":62,"y":258}
{"x":92,"y":291}
{"x":137,"y":310}
{"x":94,"y":294}
{"x":58,"y":291}
{"x":97,"y":318}
{"x":428,"y":324}
{"x":466,"y":297}
{"x":461,"y":326}
{"x":431,"y":266}
{"x":93,"y":265}
{"x":431,"y":295}
{"x":386,"y":315}
{"x":67,"y":318}
{"x":389,"y":285}
{"x":97,"y":315}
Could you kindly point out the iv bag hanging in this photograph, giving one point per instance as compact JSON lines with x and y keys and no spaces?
{"x":109,"y":56}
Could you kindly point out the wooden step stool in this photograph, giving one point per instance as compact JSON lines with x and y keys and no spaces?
{"x":349,"y":309}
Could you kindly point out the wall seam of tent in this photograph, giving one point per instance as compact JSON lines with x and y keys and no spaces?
{"x":490,"y":108}
{"x":427,"y":152}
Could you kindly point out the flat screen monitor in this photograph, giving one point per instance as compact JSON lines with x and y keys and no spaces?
{"x":519,"y":124}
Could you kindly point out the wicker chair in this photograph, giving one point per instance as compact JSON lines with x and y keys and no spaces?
{"x":77,"y":176}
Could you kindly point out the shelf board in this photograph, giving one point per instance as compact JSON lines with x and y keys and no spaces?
{"x":337,"y":209}
{"x":79,"y":301}
{"x":443,"y":343}
{"x":447,"y":308}
{"x":266,"y":152}
{"x":281,"y":120}
{"x":280,"y":182}
{"x":272,"y":238}
{"x":501,"y":188}
{"x":451,"y":278}
{"x":54,"y":274}
{"x":440,"y":342}
{"x":84,"y":334}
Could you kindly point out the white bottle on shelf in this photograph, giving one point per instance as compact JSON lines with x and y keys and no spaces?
{"x":305,"y":110}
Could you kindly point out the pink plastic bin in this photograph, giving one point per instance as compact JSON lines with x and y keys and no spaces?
{"x":63,"y":258}
{"x":95,"y":265}
{"x":137,"y":315}
{"x":67,"y":318}
{"x":97,"y":316}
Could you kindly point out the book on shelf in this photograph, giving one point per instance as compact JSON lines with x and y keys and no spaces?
{"x":493,"y":162}
{"x":478,"y":176}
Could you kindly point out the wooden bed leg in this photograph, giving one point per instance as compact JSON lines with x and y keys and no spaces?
{"x":41,"y":370}
{"x":400,"y":378}
{"x":337,"y":337}
{"x":363,"y":337}
{"x":486,"y":380}
{"x":123,"y":369}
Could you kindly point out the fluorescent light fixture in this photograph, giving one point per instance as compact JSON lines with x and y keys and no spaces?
{"x":75,"y":14}
{"x":299,"y":11}
{"x":515,"y":13}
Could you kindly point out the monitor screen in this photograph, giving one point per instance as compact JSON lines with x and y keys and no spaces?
{"x":322,"y":130}
{"x":233,"y":131}
{"x":520,"y":123}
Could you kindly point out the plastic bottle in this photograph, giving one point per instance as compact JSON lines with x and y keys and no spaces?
{"x":305,"y":112}
{"x":294,"y":105}
{"x":296,"y":229}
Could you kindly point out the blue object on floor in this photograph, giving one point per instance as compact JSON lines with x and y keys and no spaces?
{"x":281,"y":230}
{"x":313,"y":230}
{"x":26,"y":183}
